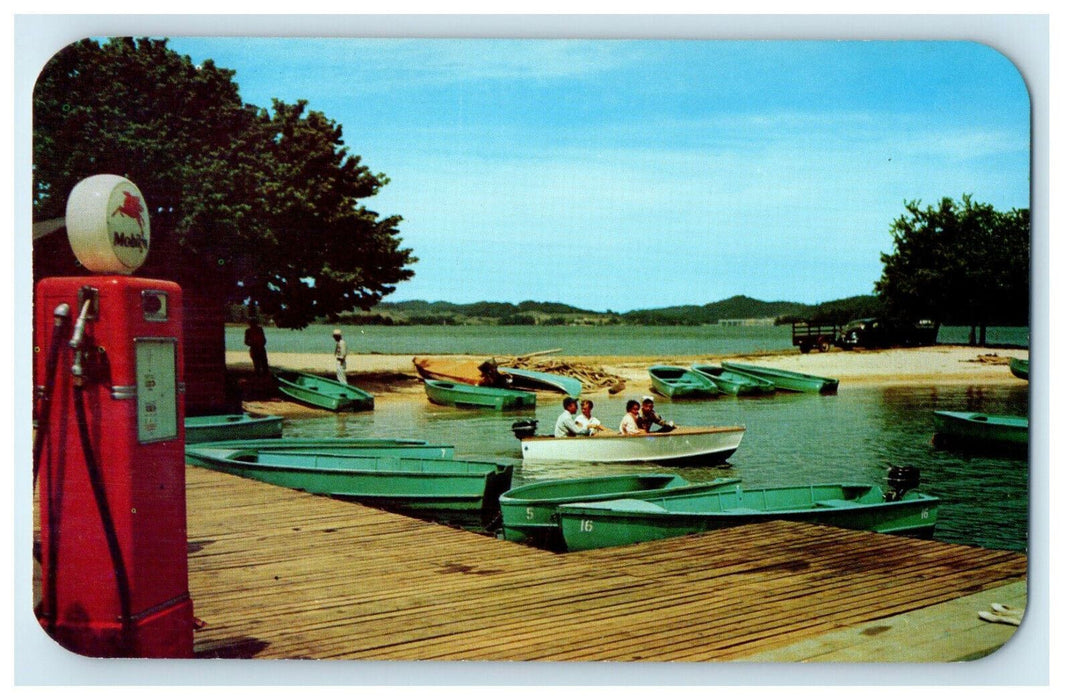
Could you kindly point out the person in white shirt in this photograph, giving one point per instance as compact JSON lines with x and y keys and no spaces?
{"x":340,"y":357}
{"x":586,"y":420}
{"x":566,"y":425}
{"x":629,"y":426}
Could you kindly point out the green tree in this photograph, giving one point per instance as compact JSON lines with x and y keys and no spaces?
{"x":959,"y":262}
{"x":268,"y":199}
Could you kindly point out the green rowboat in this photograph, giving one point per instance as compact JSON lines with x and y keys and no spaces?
{"x":231,"y":427}
{"x":625,"y":521}
{"x":469,"y":396}
{"x":530,"y":512}
{"x":321,"y":392}
{"x":968,"y":427}
{"x":787,"y":380}
{"x":680,"y":382}
{"x":461,"y":491}
{"x":202,"y":453}
{"x":735,"y":383}
{"x":1020,"y":368}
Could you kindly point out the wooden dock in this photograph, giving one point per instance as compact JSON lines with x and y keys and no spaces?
{"x":276,"y":573}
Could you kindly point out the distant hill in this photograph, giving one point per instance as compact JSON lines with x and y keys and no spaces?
{"x":552,"y":313}
{"x":738,"y":307}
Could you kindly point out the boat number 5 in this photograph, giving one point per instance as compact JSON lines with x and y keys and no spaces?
{"x":529,"y":513}
{"x":587,"y":525}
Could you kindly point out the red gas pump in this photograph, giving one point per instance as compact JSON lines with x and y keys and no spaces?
{"x":109,"y":449}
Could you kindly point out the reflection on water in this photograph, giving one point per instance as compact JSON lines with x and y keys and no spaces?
{"x":791,"y":439}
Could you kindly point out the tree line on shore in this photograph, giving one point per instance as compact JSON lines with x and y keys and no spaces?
{"x":533,"y":313}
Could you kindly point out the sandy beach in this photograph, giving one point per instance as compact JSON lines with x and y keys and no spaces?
{"x":393,"y":377}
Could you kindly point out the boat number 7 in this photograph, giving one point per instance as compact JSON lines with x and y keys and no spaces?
{"x":587,"y":525}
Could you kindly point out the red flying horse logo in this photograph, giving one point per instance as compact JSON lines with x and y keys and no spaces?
{"x":132,"y":208}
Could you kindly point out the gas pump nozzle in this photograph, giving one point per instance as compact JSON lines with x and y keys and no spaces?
{"x":77,"y":337}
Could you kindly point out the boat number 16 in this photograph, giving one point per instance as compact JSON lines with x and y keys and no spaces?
{"x":587,"y":525}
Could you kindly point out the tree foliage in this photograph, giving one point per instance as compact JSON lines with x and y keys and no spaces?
{"x":959,"y":262}
{"x":268,"y":198}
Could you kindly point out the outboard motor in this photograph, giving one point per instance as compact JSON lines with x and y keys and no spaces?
{"x":901,"y":480}
{"x":525,"y":428}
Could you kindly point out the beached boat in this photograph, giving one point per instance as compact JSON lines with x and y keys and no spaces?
{"x":966,"y":426}
{"x":529,"y":512}
{"x":735,"y":383}
{"x":680,"y":382}
{"x":338,"y":447}
{"x":787,"y":380}
{"x":232,"y":426}
{"x":324,"y":393}
{"x":461,"y":490}
{"x":701,"y":445}
{"x":475,"y":372}
{"x":469,"y":396}
{"x":1020,"y":368}
{"x":624,"y":521}
{"x":530,"y":379}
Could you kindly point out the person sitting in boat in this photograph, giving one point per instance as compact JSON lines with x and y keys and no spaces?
{"x":588,"y":421}
{"x":630,"y":423}
{"x":648,"y":419}
{"x":566,"y":425}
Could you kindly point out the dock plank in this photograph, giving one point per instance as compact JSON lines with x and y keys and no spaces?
{"x":276,"y":573}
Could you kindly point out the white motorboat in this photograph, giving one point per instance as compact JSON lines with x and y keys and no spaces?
{"x":699,"y":444}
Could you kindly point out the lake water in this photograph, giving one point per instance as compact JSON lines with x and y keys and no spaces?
{"x":573,"y":340}
{"x":791,"y":439}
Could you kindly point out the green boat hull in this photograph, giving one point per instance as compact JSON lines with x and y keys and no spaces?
{"x":458,"y":395}
{"x":787,"y":380}
{"x":1020,"y":368}
{"x":680,"y":383}
{"x":461,"y":491}
{"x":199,"y":454}
{"x":735,"y":383}
{"x":854,"y":506}
{"x":969,"y":427}
{"x":324,"y":393}
{"x":530,"y":512}
{"x":231,"y":427}
{"x":531,"y":379}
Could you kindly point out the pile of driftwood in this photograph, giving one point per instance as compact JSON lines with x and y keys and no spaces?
{"x":990,"y":358}
{"x":592,"y":377}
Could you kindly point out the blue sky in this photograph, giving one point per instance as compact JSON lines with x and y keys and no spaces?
{"x":626,"y":174}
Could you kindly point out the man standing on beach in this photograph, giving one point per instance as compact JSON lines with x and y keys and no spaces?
{"x":340,"y":357}
{"x":254,"y":338}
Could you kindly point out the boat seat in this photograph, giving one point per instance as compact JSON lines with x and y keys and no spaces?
{"x":835,"y":503}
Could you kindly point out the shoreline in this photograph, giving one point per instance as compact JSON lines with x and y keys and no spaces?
{"x":393,"y":377}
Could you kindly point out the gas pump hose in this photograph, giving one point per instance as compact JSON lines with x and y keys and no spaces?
{"x":62,"y":316}
{"x":96,"y":480}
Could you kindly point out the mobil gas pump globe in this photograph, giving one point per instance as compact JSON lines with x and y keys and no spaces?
{"x":108,"y":224}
